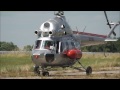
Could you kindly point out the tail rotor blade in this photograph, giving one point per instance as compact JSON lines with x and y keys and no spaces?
{"x":109,"y":23}
{"x":107,"y":19}
{"x":114,"y":33}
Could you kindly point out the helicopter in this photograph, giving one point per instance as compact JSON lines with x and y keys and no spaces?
{"x":57,"y":45}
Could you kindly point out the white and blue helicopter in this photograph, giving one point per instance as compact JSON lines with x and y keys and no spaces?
{"x":58,"y":45}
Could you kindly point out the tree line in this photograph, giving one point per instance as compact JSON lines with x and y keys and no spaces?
{"x":108,"y":47}
{"x":10,"y":46}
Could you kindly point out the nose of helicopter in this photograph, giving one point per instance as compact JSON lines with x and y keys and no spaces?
{"x":43,"y":58}
{"x":38,"y":59}
{"x":36,"y":56}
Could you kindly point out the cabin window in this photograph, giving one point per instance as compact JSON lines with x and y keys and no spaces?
{"x":73,"y":45}
{"x":62,"y":46}
{"x":77,"y":45}
{"x":67,"y":45}
{"x":37,"y":44}
{"x":57,"y":46}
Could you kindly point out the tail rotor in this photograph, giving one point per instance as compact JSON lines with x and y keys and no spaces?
{"x":109,"y":23}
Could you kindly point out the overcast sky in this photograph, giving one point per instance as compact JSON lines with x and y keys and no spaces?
{"x":19,"y":26}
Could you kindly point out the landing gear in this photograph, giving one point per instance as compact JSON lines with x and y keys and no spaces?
{"x":45,"y":73}
{"x":88,"y":69}
{"x":37,"y":71}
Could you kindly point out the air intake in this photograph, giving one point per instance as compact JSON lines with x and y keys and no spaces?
{"x":46,"y":25}
{"x":49,"y":58}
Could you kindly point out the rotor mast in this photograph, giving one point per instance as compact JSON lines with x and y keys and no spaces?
{"x":58,"y":13}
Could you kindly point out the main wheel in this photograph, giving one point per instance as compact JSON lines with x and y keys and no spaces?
{"x":45,"y":73}
{"x":88,"y":70}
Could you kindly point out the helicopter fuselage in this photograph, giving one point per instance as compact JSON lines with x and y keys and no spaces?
{"x":62,"y":51}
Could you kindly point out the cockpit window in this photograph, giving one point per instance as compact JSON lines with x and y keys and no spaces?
{"x":37,"y":44}
{"x":47,"y":44}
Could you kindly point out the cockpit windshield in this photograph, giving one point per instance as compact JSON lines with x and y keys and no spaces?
{"x":37,"y":44}
{"x":47,"y":44}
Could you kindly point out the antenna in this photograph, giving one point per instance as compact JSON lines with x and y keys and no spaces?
{"x":77,"y":29}
{"x":84,"y":29}
{"x":58,"y":13}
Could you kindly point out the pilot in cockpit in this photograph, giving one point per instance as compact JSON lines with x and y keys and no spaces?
{"x":48,"y":44}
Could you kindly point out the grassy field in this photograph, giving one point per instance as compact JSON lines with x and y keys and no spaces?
{"x":15,"y":65}
{"x":21,"y":65}
{"x":98,"y":60}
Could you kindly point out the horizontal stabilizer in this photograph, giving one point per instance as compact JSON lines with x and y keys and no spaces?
{"x":109,"y":39}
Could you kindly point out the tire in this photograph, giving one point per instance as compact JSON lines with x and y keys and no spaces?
{"x":89,"y":70}
{"x":45,"y":73}
{"x":36,"y":70}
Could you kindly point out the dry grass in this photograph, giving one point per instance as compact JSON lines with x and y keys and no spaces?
{"x":98,"y":60}
{"x":21,"y":65}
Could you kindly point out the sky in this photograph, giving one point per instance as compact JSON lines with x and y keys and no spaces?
{"x":19,"y":26}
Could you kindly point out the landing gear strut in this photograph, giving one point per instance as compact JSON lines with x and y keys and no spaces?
{"x":36,"y":70}
{"x":44,"y":72}
{"x":88,"y":69}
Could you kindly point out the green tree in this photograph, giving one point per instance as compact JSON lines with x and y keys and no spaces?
{"x":27,"y":48}
{"x":108,"y":47}
{"x":8,"y":46}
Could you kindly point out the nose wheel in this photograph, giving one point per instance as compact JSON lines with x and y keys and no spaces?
{"x":36,"y":70}
{"x":45,"y":73}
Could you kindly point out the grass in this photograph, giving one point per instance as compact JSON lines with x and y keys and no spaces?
{"x":98,"y":60}
{"x":21,"y":65}
{"x":15,"y":64}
